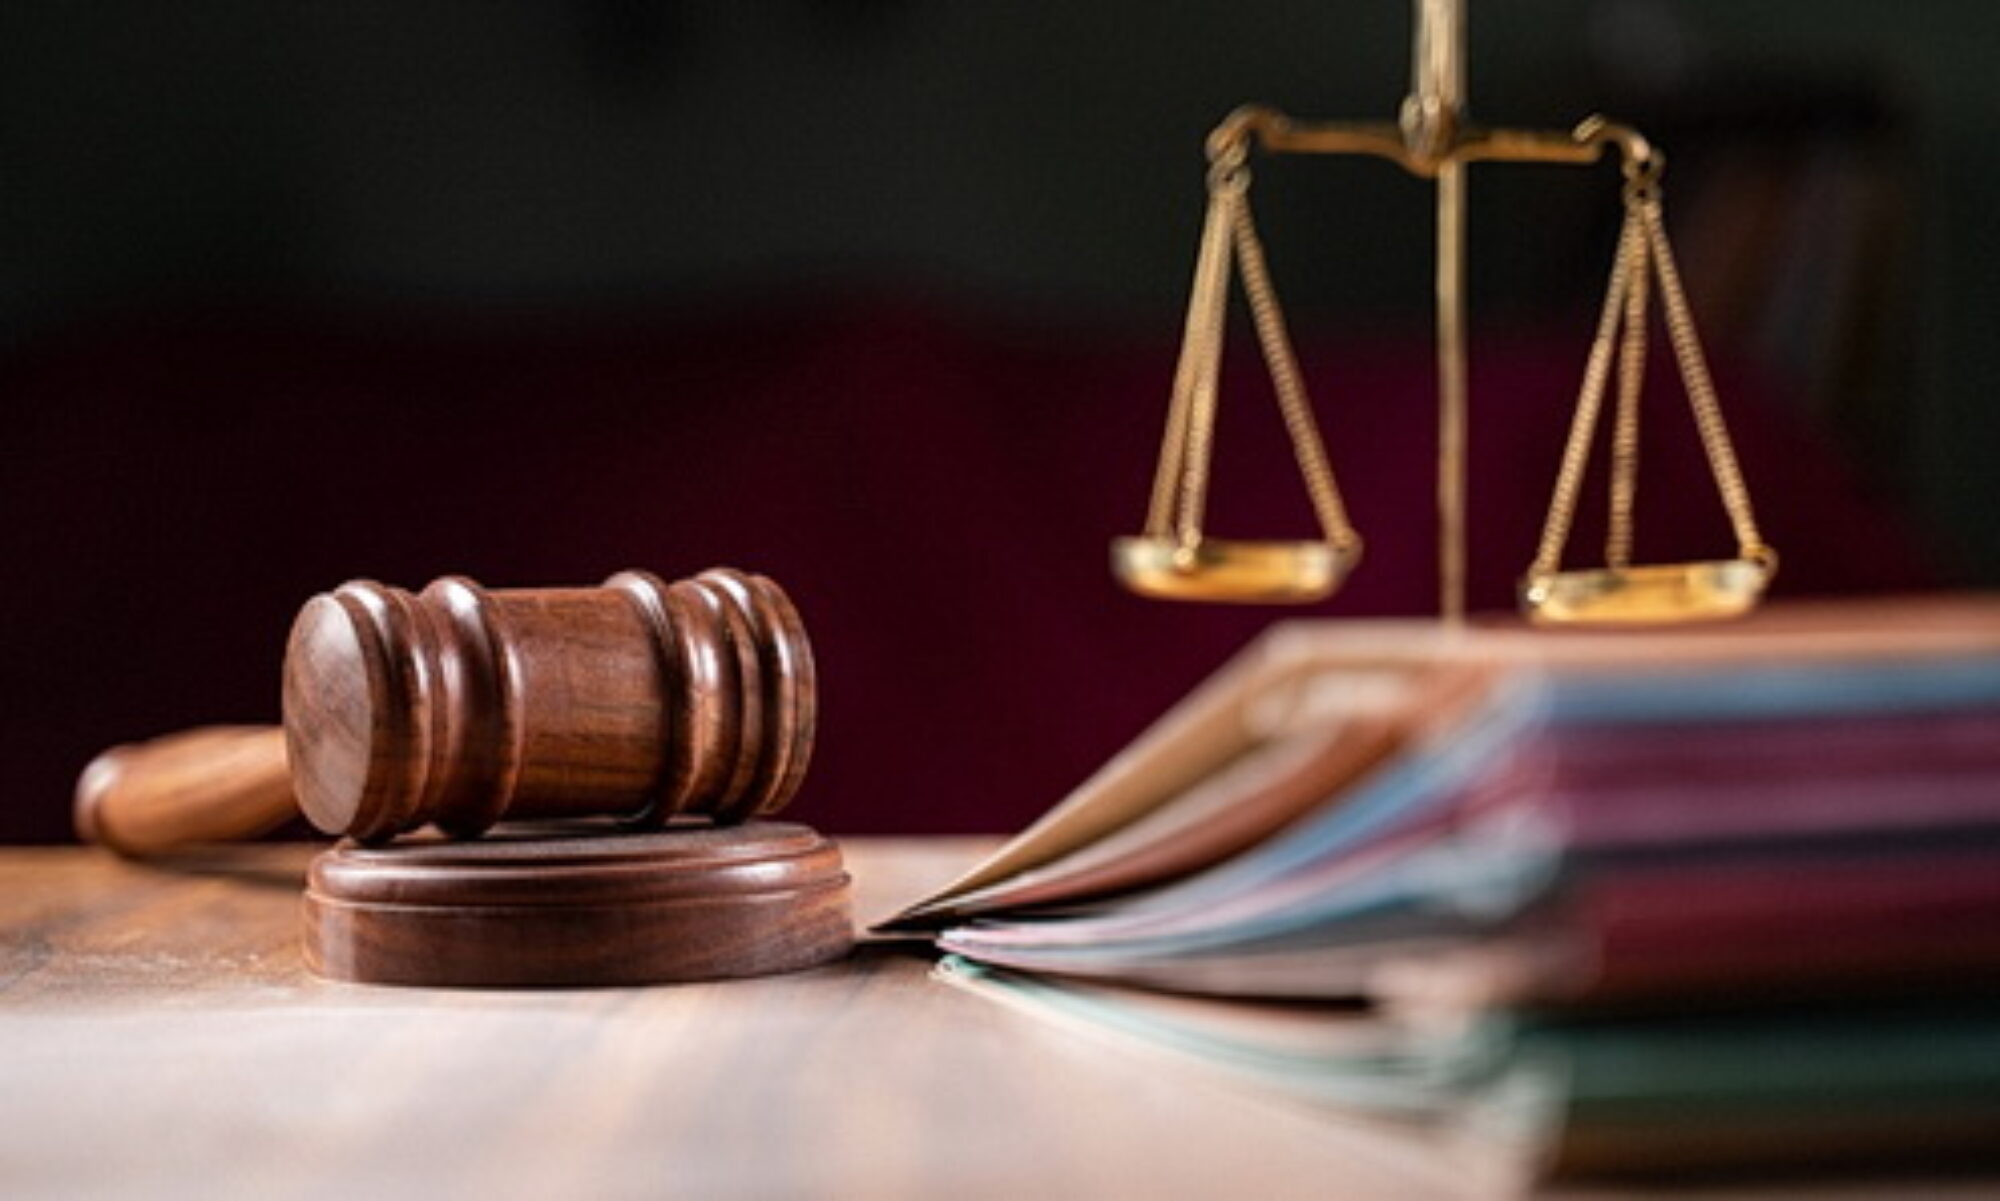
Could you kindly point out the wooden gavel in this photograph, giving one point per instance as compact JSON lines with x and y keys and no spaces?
{"x":458,"y":706}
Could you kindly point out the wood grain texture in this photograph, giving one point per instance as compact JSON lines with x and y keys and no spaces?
{"x":161,"y":1037}
{"x":460,"y":706}
{"x":209,"y":785}
{"x":586,"y":906}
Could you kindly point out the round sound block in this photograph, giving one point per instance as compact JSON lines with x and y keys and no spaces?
{"x":579,"y":908}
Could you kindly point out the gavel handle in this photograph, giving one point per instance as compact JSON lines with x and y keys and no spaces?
{"x":213,"y":784}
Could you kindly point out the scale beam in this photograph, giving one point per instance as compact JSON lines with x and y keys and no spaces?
{"x":1432,"y":139}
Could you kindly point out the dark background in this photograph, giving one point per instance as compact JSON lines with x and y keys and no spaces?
{"x":881,"y":299}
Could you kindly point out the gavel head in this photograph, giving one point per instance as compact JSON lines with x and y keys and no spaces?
{"x":460,"y":706}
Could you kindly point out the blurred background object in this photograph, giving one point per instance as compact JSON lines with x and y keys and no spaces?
{"x":881,"y":299}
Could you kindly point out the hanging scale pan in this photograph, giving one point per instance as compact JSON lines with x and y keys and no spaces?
{"x":1216,"y":569}
{"x":1621,"y":592}
{"x":1173,"y":559}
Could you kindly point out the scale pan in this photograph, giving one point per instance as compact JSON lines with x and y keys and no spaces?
{"x":1278,"y":573}
{"x":1668,"y":592}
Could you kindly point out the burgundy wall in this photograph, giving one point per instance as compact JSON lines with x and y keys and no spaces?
{"x":935,"y":489}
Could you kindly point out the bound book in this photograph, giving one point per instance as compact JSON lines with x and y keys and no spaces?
{"x":1719,"y":895}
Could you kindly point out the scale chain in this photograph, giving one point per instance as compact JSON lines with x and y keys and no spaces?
{"x":1701,"y":388}
{"x":1583,"y":427}
{"x":1643,"y":252}
{"x":1307,"y":446}
{"x":1180,"y":486}
{"x":1625,"y":433}
{"x":1173,"y":448}
{"x":1188,"y":441}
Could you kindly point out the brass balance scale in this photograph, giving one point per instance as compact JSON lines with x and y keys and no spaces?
{"x":1174,"y":558}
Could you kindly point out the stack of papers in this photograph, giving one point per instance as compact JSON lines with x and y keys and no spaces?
{"x":1587,"y":902}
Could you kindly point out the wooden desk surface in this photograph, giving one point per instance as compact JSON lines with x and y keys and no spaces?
{"x":159,"y":1037}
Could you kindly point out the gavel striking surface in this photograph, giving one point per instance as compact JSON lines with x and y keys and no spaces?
{"x":579,"y":907}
